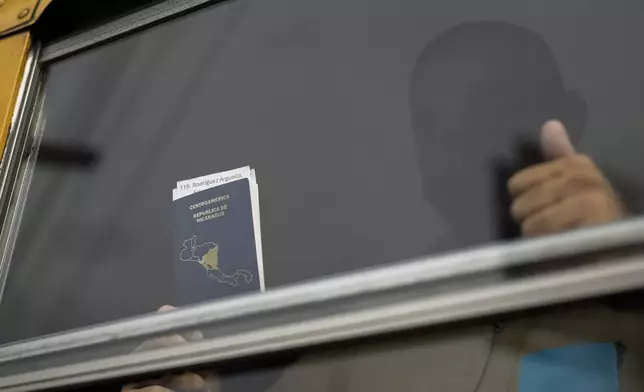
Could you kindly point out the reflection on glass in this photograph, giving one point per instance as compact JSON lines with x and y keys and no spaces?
{"x":479,"y":94}
{"x":371,"y":145}
{"x":593,"y":346}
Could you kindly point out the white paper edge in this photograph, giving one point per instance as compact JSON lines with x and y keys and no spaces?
{"x":213,"y":179}
{"x":254,"y":197}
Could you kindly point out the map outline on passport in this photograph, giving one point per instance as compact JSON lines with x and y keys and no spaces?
{"x":210,"y":262}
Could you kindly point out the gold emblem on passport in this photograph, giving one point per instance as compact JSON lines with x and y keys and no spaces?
{"x":210,"y":261}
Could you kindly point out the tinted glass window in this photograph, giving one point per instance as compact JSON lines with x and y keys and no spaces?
{"x":379,"y":131}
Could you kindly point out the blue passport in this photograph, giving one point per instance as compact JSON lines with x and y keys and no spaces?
{"x":214,"y":251}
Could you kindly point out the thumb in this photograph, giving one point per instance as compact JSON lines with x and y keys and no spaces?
{"x":555,"y":142}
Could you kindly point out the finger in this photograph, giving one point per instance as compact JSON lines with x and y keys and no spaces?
{"x":560,"y":217}
{"x":187,"y":382}
{"x":553,"y":191}
{"x":163,"y":341}
{"x":527,"y":179}
{"x":166,"y":308}
{"x":534,"y":175}
{"x":604,"y":210}
{"x":212,"y":383}
{"x":567,"y":214}
{"x":555,"y":142}
{"x":151,"y":388}
{"x":193,"y":336}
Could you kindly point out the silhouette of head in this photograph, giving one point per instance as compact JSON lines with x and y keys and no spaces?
{"x":479,"y":94}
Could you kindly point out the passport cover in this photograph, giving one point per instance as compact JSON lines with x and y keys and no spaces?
{"x":214,"y":250}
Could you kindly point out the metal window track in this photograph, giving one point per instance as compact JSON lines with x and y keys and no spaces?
{"x":609,"y":276}
{"x":120,"y":27}
{"x":380,"y":300}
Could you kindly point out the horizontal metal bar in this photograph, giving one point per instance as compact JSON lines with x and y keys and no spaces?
{"x":120,"y":27}
{"x":608,"y":276}
{"x":341,"y":288}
